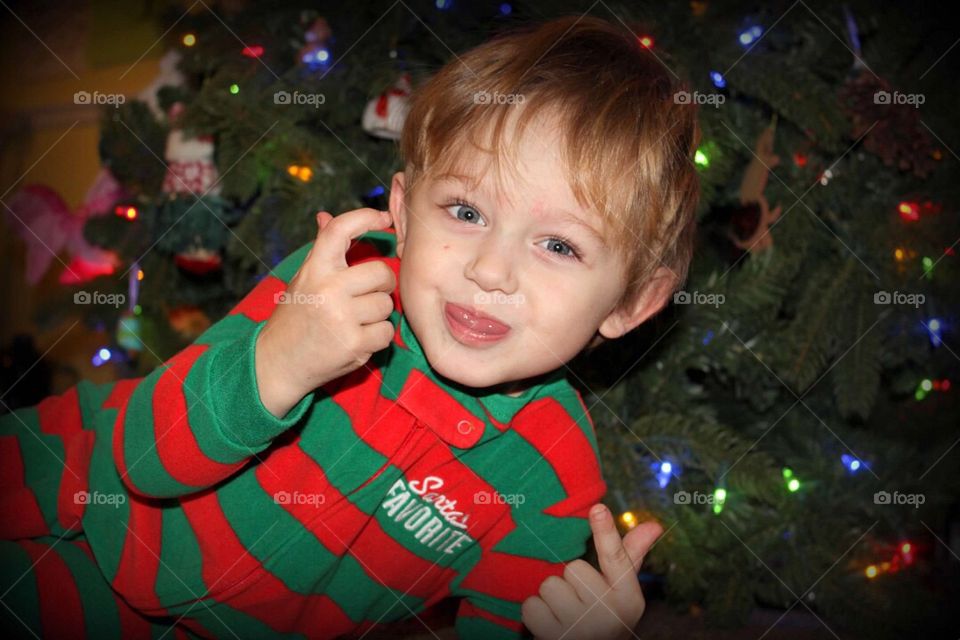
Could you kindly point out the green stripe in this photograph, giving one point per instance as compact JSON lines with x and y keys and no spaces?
{"x":468,"y":628}
{"x":101,"y":616}
{"x":331,"y":441}
{"x":43,"y":462}
{"x":223,"y":621}
{"x":23,"y":599}
{"x":106,"y":525}
{"x":141,"y":458}
{"x":362,"y":598}
{"x":180,"y":574}
{"x":289,"y":265}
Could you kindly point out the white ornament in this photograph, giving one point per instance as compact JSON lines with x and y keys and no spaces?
{"x":384,"y":115}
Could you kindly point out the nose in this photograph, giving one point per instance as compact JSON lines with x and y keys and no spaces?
{"x":494,"y":267}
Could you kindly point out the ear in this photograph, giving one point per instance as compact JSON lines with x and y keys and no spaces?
{"x":652,"y":298}
{"x":397,"y":210}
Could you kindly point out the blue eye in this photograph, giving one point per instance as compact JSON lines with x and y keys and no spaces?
{"x":473,"y":215}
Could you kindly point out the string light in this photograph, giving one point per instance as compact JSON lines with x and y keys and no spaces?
{"x":645,"y":41}
{"x":189,"y":40}
{"x":717,"y":79}
{"x":852,"y":464}
{"x":909,"y":211}
{"x":102,"y":356}
{"x":629,"y":519}
{"x":303,"y":173}
{"x":254,"y":51}
{"x":793,"y":484}
{"x":234,"y":88}
{"x":126,"y":211}
{"x":700,"y":159}
{"x":719,"y":499}
{"x":749,"y":36}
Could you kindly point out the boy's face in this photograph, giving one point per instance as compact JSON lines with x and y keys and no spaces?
{"x":502,"y":255}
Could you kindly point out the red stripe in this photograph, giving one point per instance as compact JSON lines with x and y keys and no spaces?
{"x":60,"y":415}
{"x":467,"y":609}
{"x":337,"y":521}
{"x":140,"y":558}
{"x":75,"y":478}
{"x":176,"y":444}
{"x":559,"y":439}
{"x":61,"y":610}
{"x":258,"y":305}
{"x":118,"y":399}
{"x":236,"y":577}
{"x":510,"y":577}
{"x":20,"y":514}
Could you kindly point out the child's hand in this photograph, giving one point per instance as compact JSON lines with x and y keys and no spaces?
{"x":586,"y":604}
{"x":332,"y":317}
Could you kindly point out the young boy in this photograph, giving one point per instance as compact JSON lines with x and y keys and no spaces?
{"x":332,"y":455}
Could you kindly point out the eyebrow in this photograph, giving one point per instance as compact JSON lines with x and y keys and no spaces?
{"x":562,"y":214}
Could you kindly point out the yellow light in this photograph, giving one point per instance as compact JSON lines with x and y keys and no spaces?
{"x":139,"y":274}
{"x":189,"y":40}
{"x":898,"y":254}
{"x":905,"y":548}
{"x":871,"y":571}
{"x":293,"y":170}
{"x":305,"y":173}
{"x":629,"y":519}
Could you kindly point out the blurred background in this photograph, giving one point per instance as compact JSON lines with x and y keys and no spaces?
{"x":790,"y":419}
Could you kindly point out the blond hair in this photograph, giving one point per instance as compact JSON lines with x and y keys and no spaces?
{"x":626,"y":141}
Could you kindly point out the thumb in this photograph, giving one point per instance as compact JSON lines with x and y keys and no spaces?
{"x":638,"y":541}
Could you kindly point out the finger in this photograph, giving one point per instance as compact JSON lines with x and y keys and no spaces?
{"x":335,"y":239}
{"x":373,"y":307}
{"x":377,"y":336}
{"x":562,"y":599}
{"x":638,"y":541}
{"x":539,"y":619}
{"x":615,"y":562}
{"x":323,"y":218}
{"x":587,"y":581}
{"x":367,"y":277}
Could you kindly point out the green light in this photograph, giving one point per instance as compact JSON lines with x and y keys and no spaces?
{"x":793,"y":485}
{"x":926,"y":385}
{"x":719,"y":497}
{"x":234,"y":89}
{"x":136,"y":309}
{"x":701,"y":159}
{"x":787,"y":472}
{"x":920,"y":394}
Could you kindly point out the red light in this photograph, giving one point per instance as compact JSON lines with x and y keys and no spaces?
{"x":800,"y":160}
{"x":126,"y":211}
{"x":909,"y":211}
{"x":945,"y":385}
{"x":253,"y":52}
{"x":645,"y":41}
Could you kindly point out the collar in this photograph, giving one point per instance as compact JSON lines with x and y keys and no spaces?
{"x":461,"y":416}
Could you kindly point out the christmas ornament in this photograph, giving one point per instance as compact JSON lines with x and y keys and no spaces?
{"x":188,"y":321}
{"x":190,"y":167}
{"x":169,"y":76}
{"x":384,"y":115}
{"x":751,"y":224}
{"x":198,"y":261}
{"x":47,"y":226}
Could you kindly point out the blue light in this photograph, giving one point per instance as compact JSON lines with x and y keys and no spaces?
{"x":935,"y":329}
{"x":101,"y":356}
{"x":664,"y":471}
{"x":376,"y":191}
{"x":717,"y":78}
{"x":444,"y":4}
{"x":749,"y":36}
{"x":852,"y":464}
{"x":666,"y":467}
{"x":316,"y":58}
{"x":505,"y":9}
{"x":707,"y":338}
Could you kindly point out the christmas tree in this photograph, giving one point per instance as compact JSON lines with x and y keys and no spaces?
{"x":787,"y":419}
